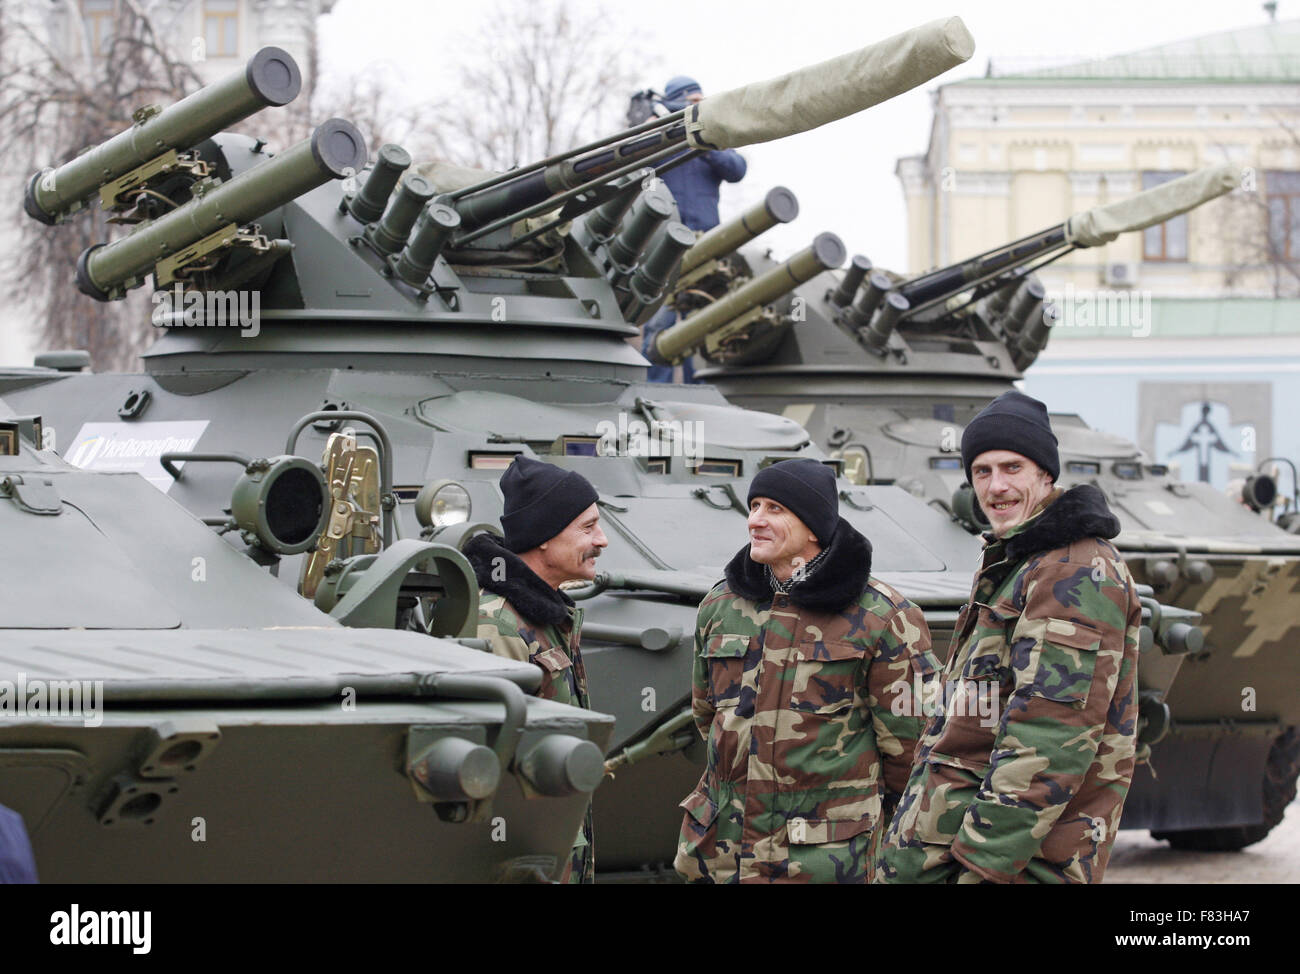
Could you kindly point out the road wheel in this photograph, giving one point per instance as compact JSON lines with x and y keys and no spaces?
{"x":1279,"y":791}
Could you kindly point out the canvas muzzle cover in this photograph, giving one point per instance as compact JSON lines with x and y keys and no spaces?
{"x":1102,"y":224}
{"x":842,"y":86}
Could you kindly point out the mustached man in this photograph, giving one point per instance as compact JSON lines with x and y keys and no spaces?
{"x":552,"y":535}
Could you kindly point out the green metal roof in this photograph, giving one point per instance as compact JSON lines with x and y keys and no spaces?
{"x":1183,"y":318}
{"x":1268,"y":52}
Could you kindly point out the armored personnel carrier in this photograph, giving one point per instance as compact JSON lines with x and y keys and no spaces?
{"x":452,"y":321}
{"x":171,"y":713}
{"x":884,"y":371}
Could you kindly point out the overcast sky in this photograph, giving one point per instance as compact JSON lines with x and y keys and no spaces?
{"x":843,"y":174}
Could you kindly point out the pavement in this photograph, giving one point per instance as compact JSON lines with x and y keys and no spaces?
{"x":1138,"y":858}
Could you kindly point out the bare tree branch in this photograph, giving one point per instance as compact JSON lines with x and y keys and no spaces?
{"x":1252,"y":244}
{"x":54,"y":102}
{"x":542,"y":78}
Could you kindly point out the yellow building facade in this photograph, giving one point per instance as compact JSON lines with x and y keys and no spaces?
{"x":1017,"y":152}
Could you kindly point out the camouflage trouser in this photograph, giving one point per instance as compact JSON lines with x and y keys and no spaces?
{"x":830,"y":862}
{"x":703,"y":857}
{"x":580,"y":867}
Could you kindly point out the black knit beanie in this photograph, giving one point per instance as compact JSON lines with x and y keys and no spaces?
{"x":1015,"y":422}
{"x":541,"y":501}
{"x":806,"y":487}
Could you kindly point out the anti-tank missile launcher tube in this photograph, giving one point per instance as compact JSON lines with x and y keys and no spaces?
{"x":778,"y":206}
{"x":335,"y":150}
{"x":270,"y":78}
{"x":826,"y":252}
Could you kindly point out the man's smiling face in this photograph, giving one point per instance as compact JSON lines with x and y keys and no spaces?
{"x":777,"y":537}
{"x":1009,"y":487}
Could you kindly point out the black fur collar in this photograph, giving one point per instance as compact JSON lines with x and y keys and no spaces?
{"x":1080,"y":512}
{"x":532,"y":598}
{"x":839,"y":579}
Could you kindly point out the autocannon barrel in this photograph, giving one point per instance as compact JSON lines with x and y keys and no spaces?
{"x":1093,"y":227}
{"x":778,"y":206}
{"x":335,"y":150}
{"x":760,"y":112}
{"x":271,"y":77}
{"x":826,"y":252}
{"x":531,"y":188}
{"x":947,"y":281}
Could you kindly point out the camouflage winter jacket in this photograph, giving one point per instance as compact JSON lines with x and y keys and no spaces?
{"x":795,"y":695}
{"x":1024,"y":776}
{"x":525,"y":619}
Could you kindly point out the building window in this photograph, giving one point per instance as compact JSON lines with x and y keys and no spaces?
{"x":1283,"y":189}
{"x":221,"y":27}
{"x":1168,"y":240}
{"x":97,"y":16}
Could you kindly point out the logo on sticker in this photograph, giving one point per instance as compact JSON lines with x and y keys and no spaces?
{"x":134,"y":447}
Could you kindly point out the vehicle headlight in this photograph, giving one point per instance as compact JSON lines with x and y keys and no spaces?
{"x":442,"y":503}
{"x":283,"y":502}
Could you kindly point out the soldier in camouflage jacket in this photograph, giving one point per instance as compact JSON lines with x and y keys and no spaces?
{"x":1025,"y":764}
{"x":794,"y":691}
{"x":552,"y":534}
{"x":523,"y":618}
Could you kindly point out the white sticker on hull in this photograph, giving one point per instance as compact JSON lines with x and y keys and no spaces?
{"x":135,"y":447}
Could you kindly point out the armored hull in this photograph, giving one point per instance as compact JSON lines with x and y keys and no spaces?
{"x":170,"y":713}
{"x":673,"y":528}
